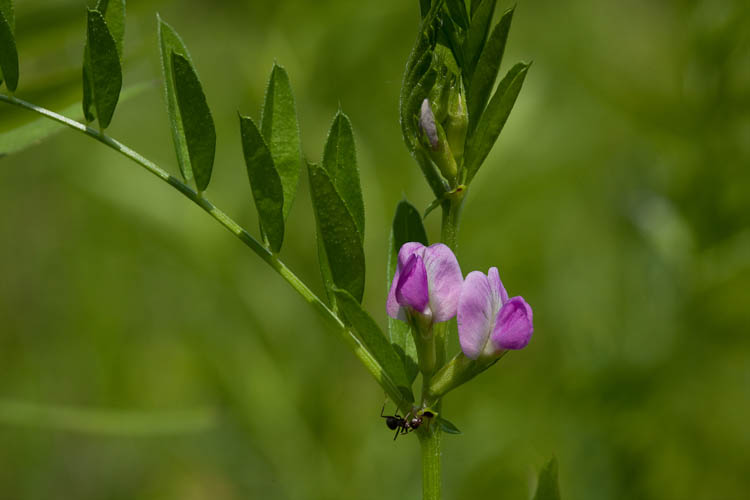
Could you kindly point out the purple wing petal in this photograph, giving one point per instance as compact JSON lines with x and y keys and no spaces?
{"x":514,"y":326}
{"x":411,"y":290}
{"x":392,"y":306}
{"x":498,"y":290}
{"x":444,"y":280}
{"x":475,"y":314}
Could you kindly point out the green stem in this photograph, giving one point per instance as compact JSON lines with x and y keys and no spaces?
{"x":430,"y":437}
{"x":430,"y":441}
{"x":269,"y":258}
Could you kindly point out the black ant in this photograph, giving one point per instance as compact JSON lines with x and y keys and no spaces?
{"x":407,"y":424}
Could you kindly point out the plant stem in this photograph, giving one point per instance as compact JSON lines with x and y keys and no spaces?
{"x":430,"y":442}
{"x":269,"y":258}
{"x":430,"y":438}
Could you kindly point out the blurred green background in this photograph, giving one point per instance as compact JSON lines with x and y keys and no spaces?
{"x":617,"y":202}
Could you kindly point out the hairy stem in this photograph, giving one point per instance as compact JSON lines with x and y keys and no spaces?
{"x":238,"y":231}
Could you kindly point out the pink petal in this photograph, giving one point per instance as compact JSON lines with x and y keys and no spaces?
{"x":444,"y":280}
{"x":498,"y":290}
{"x":476,"y":314}
{"x":514,"y":325}
{"x":392,"y":306}
{"x":411,"y":290}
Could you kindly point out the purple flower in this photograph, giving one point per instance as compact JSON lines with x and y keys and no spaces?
{"x":427,"y":281}
{"x":488,"y":321}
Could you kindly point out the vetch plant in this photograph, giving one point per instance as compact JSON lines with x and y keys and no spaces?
{"x":451,"y":114}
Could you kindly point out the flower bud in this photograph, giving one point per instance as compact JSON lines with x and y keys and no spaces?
{"x":437,"y":143}
{"x":456,"y":124}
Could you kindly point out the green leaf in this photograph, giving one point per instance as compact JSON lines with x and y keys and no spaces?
{"x":487,"y":69}
{"x":281,"y":132}
{"x":197,"y":124}
{"x":340,"y":162}
{"x":170,"y":42}
{"x":339,"y":233}
{"x":6,"y":9}
{"x":488,"y":129}
{"x":457,"y":9}
{"x":424,"y":7}
{"x":372,"y":337}
{"x":407,"y":226}
{"x":447,"y":426}
{"x":547,"y":486}
{"x":8,"y":50}
{"x":102,"y":71}
{"x":265,"y":182}
{"x":474,"y":6}
{"x":35,"y":131}
{"x":481,"y":20}
{"x":114,"y":15}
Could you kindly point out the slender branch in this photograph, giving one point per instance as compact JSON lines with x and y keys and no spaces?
{"x":269,"y":258}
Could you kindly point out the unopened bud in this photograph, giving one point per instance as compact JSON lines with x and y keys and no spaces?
{"x":427,"y":122}
{"x":456,"y":124}
{"x":439,"y":149}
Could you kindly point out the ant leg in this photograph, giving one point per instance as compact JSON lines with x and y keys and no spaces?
{"x":382,"y":410}
{"x":397,"y":433}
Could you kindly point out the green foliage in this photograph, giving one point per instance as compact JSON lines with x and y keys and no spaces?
{"x":447,"y":426}
{"x":407,"y":226}
{"x":487,"y":69}
{"x":339,"y":234}
{"x":265,"y":183}
{"x":457,"y":9}
{"x":102,"y":72}
{"x":197,"y":123}
{"x":114,"y":17}
{"x":374,"y":339}
{"x":8,"y":50}
{"x":340,"y":162}
{"x":281,"y":132}
{"x":476,"y":37}
{"x":493,"y":119}
{"x":171,"y":43}
{"x":547,"y":487}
